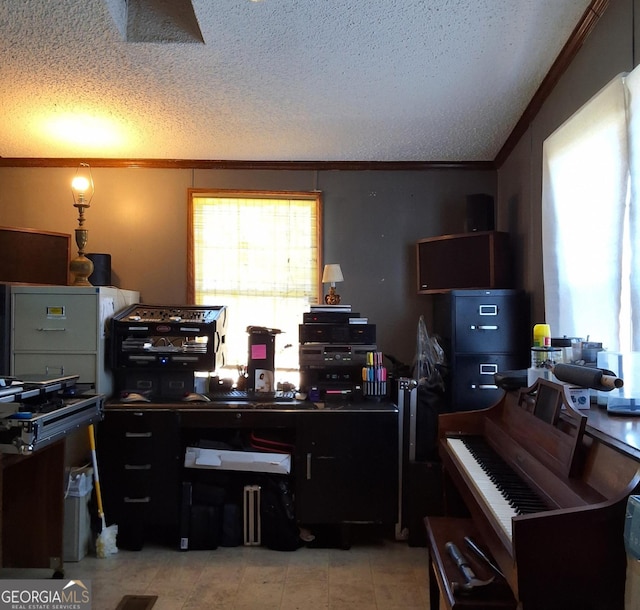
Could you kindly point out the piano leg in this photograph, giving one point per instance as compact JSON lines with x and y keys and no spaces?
{"x":434,"y":591}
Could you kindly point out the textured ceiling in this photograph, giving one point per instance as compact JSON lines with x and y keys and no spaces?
{"x":288,"y":80}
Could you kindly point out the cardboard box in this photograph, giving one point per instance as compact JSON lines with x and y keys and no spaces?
{"x":580,"y":397}
{"x":249,"y":461}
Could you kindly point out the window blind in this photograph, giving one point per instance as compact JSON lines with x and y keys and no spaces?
{"x":258,"y":254}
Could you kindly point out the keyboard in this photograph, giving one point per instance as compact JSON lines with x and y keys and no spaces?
{"x":243,"y":395}
{"x":503,"y":491}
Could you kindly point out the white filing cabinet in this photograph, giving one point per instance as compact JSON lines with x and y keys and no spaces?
{"x":62,"y":330}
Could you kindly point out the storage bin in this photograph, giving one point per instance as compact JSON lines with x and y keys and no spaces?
{"x":77,"y":522}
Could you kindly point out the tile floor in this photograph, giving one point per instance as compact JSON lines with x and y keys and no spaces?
{"x":376,"y":574}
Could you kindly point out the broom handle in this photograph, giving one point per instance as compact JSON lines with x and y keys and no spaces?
{"x":96,"y":478}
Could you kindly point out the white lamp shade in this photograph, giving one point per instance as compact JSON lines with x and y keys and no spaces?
{"x":332,"y":273}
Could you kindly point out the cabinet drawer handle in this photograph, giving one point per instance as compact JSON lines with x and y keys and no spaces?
{"x":50,"y":330}
{"x":144,"y":500}
{"x":483,"y":327}
{"x":483,"y":386}
{"x":488,"y":310}
{"x":137,"y":466}
{"x":48,"y":368}
{"x":137,"y":434}
{"x":308,"y":466}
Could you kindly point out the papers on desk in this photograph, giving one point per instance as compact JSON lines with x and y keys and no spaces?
{"x":249,"y":461}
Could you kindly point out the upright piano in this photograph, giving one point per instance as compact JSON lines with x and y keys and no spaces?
{"x":547,"y":500}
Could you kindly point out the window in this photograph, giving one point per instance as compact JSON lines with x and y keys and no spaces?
{"x":590,"y":221}
{"x":259,"y":254}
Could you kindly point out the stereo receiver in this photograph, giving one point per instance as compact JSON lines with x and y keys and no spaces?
{"x":337,"y":333}
{"x":334,"y":354}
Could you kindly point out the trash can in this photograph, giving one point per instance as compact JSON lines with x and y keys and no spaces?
{"x":77,"y":521}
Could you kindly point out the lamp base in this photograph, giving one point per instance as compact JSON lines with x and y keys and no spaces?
{"x":332,"y":298}
{"x":82,"y":268}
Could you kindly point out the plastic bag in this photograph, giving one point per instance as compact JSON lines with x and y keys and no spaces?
{"x":79,"y":483}
{"x":429,"y":357}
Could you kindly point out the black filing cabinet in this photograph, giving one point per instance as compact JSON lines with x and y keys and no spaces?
{"x":140,"y":464}
{"x":482,"y":332}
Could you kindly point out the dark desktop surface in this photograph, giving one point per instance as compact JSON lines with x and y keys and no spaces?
{"x":242,"y":401}
{"x":619,"y":431}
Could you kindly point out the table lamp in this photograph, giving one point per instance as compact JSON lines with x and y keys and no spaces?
{"x":82,"y":189}
{"x":332,"y":274}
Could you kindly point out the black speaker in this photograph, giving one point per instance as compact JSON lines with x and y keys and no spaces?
{"x":260,"y":368}
{"x":480,"y":213}
{"x":101,"y":275}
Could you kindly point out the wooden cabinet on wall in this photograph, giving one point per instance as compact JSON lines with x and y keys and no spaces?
{"x":479,"y":259}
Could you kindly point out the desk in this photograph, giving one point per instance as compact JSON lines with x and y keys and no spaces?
{"x":32,"y":509}
{"x":622,"y":432}
{"x":344,"y":467}
{"x":32,"y":472}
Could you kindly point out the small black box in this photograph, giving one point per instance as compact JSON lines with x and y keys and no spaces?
{"x":205,"y":527}
{"x":480,"y":213}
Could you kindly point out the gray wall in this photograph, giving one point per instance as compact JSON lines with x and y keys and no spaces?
{"x":372,"y":220}
{"x":606,"y":52}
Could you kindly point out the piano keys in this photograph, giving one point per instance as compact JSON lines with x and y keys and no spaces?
{"x":501,"y":489}
{"x":563,"y":546}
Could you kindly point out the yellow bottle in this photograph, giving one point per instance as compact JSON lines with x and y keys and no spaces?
{"x":541,"y":335}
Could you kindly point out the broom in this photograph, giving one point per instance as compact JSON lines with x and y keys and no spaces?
{"x":106,"y":540}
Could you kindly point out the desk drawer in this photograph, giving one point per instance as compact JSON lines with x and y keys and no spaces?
{"x":473,"y":384}
{"x":55,"y":322}
{"x":137,"y":448}
{"x":137,"y":481}
{"x":84,"y":365}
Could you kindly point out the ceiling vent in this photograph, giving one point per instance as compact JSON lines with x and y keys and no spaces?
{"x":159,"y":21}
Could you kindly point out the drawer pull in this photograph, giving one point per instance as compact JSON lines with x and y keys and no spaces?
{"x":488,"y":368}
{"x":308,"y":466}
{"x":48,"y":368}
{"x":483,"y":327}
{"x":488,"y":310}
{"x":137,"y":434}
{"x":144,"y":500}
{"x":50,"y":330}
{"x":483,"y":386}
{"x":137,"y":466}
